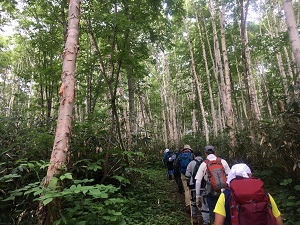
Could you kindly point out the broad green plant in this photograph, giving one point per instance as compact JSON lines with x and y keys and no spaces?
{"x":82,"y":201}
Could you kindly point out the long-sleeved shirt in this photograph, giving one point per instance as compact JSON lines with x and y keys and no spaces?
{"x":202,"y":171}
{"x":190,"y":169}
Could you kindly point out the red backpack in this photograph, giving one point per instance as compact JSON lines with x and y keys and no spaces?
{"x":249,"y":203}
{"x":216,"y":176}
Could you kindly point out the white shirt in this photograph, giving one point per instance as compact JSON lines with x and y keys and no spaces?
{"x":202,"y":171}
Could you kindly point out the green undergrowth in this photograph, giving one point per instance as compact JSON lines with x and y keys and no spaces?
{"x":153,"y":199}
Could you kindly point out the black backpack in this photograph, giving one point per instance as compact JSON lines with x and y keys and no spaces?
{"x":171,"y":157}
{"x":196,"y":167}
{"x":203,"y":182}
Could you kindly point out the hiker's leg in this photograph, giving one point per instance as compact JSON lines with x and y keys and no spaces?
{"x":193,"y":202}
{"x":186,"y":190}
{"x":205,"y":211}
{"x":211,"y":202}
{"x":179,"y":182}
{"x":170,"y":172}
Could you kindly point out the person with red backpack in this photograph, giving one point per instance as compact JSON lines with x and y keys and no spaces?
{"x":214,"y":171}
{"x":245,"y":201}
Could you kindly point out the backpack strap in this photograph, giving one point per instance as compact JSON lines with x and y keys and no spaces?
{"x":227,"y":194}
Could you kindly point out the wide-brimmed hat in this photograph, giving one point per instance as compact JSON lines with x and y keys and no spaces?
{"x":209,"y":149}
{"x":187,"y":147}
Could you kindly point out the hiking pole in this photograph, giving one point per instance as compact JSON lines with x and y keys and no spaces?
{"x":199,"y":208}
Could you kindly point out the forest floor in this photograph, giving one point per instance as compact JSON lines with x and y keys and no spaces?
{"x":159,"y":202}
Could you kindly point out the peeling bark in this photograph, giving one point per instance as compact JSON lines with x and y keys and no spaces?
{"x":60,"y":152}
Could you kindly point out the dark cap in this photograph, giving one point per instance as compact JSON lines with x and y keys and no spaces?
{"x":209,"y":149}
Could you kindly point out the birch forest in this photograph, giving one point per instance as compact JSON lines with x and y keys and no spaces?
{"x":93,"y":91}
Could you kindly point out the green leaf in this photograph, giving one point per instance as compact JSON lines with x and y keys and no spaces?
{"x":66,"y":176}
{"x":94,"y":167}
{"x":81,"y":223}
{"x":47,"y":200}
{"x":285,"y":182}
{"x":73,"y":188}
{"x":95,"y":192}
{"x":83,"y":181}
{"x":297,"y":187}
{"x":112,"y":201}
{"x":121,"y":179}
{"x":8,"y":178}
{"x":117,"y":213}
{"x":63,"y":219}
{"x":53,"y":182}
{"x":38,"y":192}
{"x":30,"y":165}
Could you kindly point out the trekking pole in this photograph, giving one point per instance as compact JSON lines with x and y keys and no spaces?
{"x":199,"y":208}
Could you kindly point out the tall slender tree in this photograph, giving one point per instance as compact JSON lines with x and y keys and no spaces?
{"x":295,"y":43}
{"x":196,"y":79}
{"x":61,"y":151}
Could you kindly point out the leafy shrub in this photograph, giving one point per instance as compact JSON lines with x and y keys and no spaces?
{"x":80,"y":203}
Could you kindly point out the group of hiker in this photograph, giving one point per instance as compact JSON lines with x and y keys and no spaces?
{"x":216,"y":194}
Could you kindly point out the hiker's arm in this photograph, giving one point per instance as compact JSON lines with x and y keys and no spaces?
{"x":219,"y":219}
{"x":220,"y":211}
{"x":279,"y":220}
{"x":199,"y":177}
{"x":198,"y":186}
{"x":188,"y":174}
{"x":226,"y":166}
{"x":275,"y":211}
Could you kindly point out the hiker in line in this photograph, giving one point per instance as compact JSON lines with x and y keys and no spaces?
{"x":253,"y":200}
{"x":177,"y":177}
{"x":213,"y":183}
{"x":168,"y":160}
{"x":190,"y":174}
{"x":183,"y":159}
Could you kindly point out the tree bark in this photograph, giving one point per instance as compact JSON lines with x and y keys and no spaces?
{"x":211,"y":99}
{"x":198,"y":85}
{"x":245,"y":71}
{"x":171,"y":104}
{"x":278,"y":55}
{"x":60,"y":153}
{"x":229,"y":110}
{"x":163,"y":108}
{"x":132,"y":107}
{"x":295,"y":42}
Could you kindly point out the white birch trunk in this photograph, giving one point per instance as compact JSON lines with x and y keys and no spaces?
{"x":294,"y":39}
{"x":198,"y":85}
{"x":229,"y":110}
{"x":211,"y":99}
{"x":171,"y":103}
{"x":278,"y":55}
{"x":162,"y":99}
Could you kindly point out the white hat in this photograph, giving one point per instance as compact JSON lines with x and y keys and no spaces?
{"x":167,"y":150}
{"x":240,"y":169}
